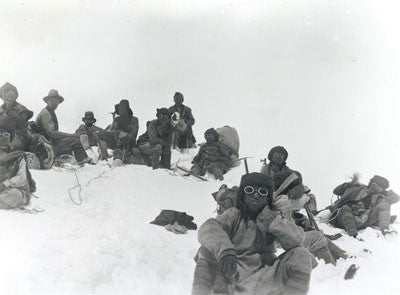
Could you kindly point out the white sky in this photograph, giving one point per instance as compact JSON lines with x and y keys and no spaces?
{"x":319,"y":77}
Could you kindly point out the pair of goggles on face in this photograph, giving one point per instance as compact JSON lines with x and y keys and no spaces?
{"x":279,"y":155}
{"x":5,"y":134}
{"x":262,"y":191}
{"x":162,"y":116}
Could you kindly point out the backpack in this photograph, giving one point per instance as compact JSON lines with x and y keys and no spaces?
{"x":225,"y":197}
{"x":229,"y":137}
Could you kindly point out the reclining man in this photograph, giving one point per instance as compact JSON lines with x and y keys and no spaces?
{"x":183,"y":120}
{"x":155,"y":143}
{"x":213,"y":156}
{"x":360,"y":206}
{"x":18,"y":113}
{"x":237,"y":253}
{"x":16,"y":183}
{"x":63,"y":143}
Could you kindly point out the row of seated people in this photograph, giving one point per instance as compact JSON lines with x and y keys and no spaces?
{"x":171,"y":128}
{"x":43,"y":138}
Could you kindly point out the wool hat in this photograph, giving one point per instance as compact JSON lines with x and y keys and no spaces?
{"x":89,"y":116}
{"x":258,"y":179}
{"x":53,"y":93}
{"x":380,"y":181}
{"x":278,"y":149}
{"x":213,"y":132}
{"x":163,"y":111}
{"x":178,"y":95}
{"x":7,"y":87}
{"x":124,"y":103}
{"x":8,"y":124}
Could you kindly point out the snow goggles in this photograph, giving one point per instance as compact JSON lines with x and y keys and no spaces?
{"x":262,"y":191}
{"x":5,"y":134}
{"x":278,"y":155}
{"x":162,"y":116}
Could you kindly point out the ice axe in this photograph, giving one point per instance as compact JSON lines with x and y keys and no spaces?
{"x":245,"y":163}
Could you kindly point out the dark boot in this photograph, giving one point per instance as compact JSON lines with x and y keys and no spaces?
{"x":336,"y":251}
{"x":166,"y":161}
{"x":155,"y":161}
{"x":218,"y":174}
{"x":103,"y":150}
{"x":348,"y":221}
{"x":324,"y":254}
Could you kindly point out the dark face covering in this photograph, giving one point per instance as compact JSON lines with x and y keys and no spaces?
{"x":209,"y":137}
{"x":89,"y":123}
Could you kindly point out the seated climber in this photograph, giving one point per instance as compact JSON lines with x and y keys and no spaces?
{"x":213,"y":156}
{"x":360,"y":206}
{"x":288,"y":198}
{"x":16,"y":183}
{"x":124,"y":130}
{"x":63,"y":143}
{"x":92,"y":135}
{"x":183,"y":120}
{"x":17,"y":112}
{"x":290,"y":182}
{"x":237,"y":252}
{"x":155,"y":143}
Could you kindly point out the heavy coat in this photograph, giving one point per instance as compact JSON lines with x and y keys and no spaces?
{"x":213,"y":153}
{"x":251,"y":240}
{"x":19,"y":114}
{"x":294,"y":189}
{"x":157,"y":134}
{"x":129,"y":125}
{"x":47,"y":124}
{"x":185,"y":113}
{"x":360,"y":200}
{"x":89,"y":132}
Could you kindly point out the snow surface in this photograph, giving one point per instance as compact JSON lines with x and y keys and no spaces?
{"x":107,"y":245}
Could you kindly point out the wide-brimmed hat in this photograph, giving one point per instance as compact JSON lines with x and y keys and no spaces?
{"x":53,"y":94}
{"x":89,"y":116}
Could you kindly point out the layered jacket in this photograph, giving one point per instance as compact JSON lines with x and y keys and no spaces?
{"x":14,"y":172}
{"x":47,"y":125}
{"x":157,"y":134}
{"x":215,"y":152}
{"x":90,"y":133}
{"x":128,"y":124}
{"x":287,"y":181}
{"x":250,"y":240}
{"x":184,"y":112}
{"x":356,"y":194}
{"x":19,"y":114}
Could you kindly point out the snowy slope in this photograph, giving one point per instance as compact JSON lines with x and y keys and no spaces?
{"x":107,"y":246}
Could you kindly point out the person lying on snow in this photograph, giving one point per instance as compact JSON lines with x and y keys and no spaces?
{"x":155,"y":143}
{"x":183,"y":120}
{"x":213,"y":156}
{"x":16,"y":183}
{"x":63,"y":143}
{"x":237,"y":253}
{"x":289,"y":197}
{"x":18,"y":113}
{"x":360,"y":206}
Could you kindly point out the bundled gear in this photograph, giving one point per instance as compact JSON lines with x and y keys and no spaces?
{"x":170,"y":217}
{"x":229,"y":137}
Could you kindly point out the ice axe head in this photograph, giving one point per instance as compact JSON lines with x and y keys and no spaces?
{"x":245,"y":163}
